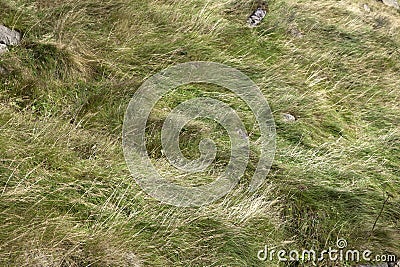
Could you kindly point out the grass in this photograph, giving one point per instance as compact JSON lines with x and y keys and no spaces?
{"x":67,"y":197}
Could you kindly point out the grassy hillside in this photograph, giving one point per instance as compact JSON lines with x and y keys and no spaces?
{"x":67,"y":197}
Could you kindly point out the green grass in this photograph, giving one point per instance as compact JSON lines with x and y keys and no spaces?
{"x":67,"y":197}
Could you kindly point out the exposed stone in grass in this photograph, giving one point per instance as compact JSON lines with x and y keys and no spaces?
{"x":392,"y":3}
{"x":3,"y":49}
{"x":258,"y":15}
{"x":367,"y":8}
{"x":8,"y":36}
{"x":287,"y":117}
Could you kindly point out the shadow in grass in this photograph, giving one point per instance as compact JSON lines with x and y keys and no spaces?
{"x":317,"y":213}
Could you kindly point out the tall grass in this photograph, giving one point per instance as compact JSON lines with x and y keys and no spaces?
{"x":67,"y":197}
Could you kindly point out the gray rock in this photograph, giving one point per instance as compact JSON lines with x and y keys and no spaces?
{"x":258,"y":15}
{"x":288,"y":117}
{"x":3,"y":49}
{"x":8,"y":36}
{"x":392,"y":3}
{"x":367,"y":8}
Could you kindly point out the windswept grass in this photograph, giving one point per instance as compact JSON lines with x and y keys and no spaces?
{"x":67,"y":197}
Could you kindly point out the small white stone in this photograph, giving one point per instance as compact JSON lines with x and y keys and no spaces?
{"x":367,"y":8}
{"x":256,"y":17}
{"x":288,"y":117}
{"x":3,"y":48}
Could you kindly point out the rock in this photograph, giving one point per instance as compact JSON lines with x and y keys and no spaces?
{"x":392,"y":3}
{"x":288,"y":117}
{"x":9,"y":37}
{"x":367,"y":8}
{"x":257,"y":16}
{"x":3,"y":49}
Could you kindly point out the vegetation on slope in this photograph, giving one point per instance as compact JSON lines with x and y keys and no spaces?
{"x":67,"y":197}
